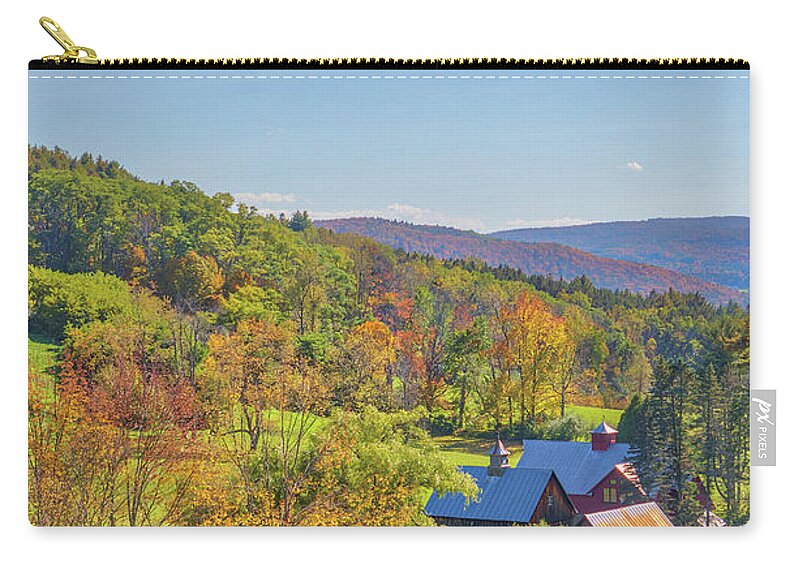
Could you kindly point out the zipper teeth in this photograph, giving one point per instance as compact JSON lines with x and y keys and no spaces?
{"x":379,"y":63}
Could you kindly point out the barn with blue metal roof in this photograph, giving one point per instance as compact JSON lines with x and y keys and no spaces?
{"x":597,"y":475}
{"x":506,"y":496}
{"x":552,"y":482}
{"x":578,"y":467}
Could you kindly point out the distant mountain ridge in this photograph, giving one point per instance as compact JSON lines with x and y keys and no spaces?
{"x":715,"y":249}
{"x":533,"y":258}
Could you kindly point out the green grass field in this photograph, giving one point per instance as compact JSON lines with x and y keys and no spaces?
{"x":474,"y":451}
{"x":41,"y":354}
{"x":593,"y":416}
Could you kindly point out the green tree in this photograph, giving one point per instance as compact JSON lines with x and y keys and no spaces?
{"x":300,"y":222}
{"x":374,"y":471}
{"x":664,"y":450}
{"x":465,"y":361}
{"x":193,"y":280}
{"x":250,"y":302}
{"x":59,"y":301}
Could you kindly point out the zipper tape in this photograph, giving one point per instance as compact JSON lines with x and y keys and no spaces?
{"x":382,"y":63}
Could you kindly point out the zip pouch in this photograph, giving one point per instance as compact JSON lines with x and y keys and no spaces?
{"x":382,"y":292}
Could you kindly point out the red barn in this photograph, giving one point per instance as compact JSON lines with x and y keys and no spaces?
{"x":506,"y":497}
{"x":598,"y":476}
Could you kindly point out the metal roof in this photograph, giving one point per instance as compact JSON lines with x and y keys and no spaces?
{"x":511,"y":497}
{"x":577,"y":467}
{"x":604,"y":428}
{"x":498,"y":448}
{"x":643,"y":514}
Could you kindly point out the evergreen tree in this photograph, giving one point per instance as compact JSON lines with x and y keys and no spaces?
{"x":663,"y":452}
{"x":706,"y":398}
{"x":300,"y":221}
{"x":733,"y":445}
{"x":632,"y":422}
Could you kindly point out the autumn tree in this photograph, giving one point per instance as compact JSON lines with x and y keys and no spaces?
{"x":189,"y":332}
{"x":76,"y":459}
{"x":192,"y":280}
{"x":422,"y":348}
{"x":499,"y":394}
{"x":531,"y":348}
{"x":243,"y":373}
{"x":579,"y":357}
{"x":117,"y":443}
{"x":566,"y":372}
{"x":263,"y":398}
{"x":364,"y":367}
{"x":306,"y":291}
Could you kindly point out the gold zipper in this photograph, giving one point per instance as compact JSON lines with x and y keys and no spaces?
{"x":72,"y":53}
{"x":73,"y":56}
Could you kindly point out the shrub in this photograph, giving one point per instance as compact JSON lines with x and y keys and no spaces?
{"x":568,"y":428}
{"x":59,"y":300}
{"x":442,"y":423}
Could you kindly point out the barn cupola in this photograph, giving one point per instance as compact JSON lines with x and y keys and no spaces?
{"x":603,"y":437}
{"x":498,"y":458}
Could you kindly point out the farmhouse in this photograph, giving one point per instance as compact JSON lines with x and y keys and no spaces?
{"x":555,"y":482}
{"x":506,"y":496}
{"x":597,"y":476}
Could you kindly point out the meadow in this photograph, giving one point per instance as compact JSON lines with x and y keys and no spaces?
{"x":41,"y":354}
{"x":468,"y":450}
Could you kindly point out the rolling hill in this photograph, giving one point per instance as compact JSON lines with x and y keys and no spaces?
{"x":533,"y":258}
{"x":715,"y":249}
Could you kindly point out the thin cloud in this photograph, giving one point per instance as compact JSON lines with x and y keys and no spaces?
{"x":339,"y":214}
{"x":399,"y":212}
{"x":264,"y":199}
{"x":406,"y":210}
{"x":633,"y":165}
{"x":551,"y":223}
{"x":416,"y":215}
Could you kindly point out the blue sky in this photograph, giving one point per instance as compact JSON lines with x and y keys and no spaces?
{"x":474,"y":150}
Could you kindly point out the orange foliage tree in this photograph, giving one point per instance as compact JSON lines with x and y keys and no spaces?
{"x":364,"y":367}
{"x":114,"y":442}
{"x":532,"y":347}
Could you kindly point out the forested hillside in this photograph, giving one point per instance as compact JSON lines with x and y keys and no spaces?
{"x":229,"y":368}
{"x":550,"y":259}
{"x":715,"y":249}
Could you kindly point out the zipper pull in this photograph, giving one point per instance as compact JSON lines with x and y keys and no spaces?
{"x":72,"y":52}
